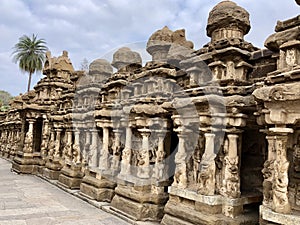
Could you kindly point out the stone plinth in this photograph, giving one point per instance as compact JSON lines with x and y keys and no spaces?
{"x":97,"y":186}
{"x":71,"y":176}
{"x":140,"y":202}
{"x":27,"y":163}
{"x":52,"y":169}
{"x":187,"y":207}
{"x":267,"y":215}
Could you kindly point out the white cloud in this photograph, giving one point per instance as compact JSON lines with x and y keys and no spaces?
{"x":91,"y":28}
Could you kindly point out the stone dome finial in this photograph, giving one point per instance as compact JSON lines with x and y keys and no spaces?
{"x":100,"y":66}
{"x":228,"y":14}
{"x":100,"y":69}
{"x":178,"y":37}
{"x":159,"y":44}
{"x":124,"y":57}
{"x":166,"y":43}
{"x":163,"y":36}
{"x":60,"y":63}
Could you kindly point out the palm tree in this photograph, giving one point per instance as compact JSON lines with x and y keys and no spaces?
{"x":30,"y":54}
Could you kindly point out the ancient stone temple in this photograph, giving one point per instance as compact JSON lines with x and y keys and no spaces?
{"x":207,"y":136}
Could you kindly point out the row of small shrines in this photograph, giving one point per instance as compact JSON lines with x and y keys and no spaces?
{"x":99,"y":159}
{"x":115,"y":164}
{"x":215,"y":141}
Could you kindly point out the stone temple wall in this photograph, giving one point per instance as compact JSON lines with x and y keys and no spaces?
{"x":208,"y":136}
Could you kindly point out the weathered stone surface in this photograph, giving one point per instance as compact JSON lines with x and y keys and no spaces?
{"x":138,"y":211}
{"x":99,"y":194}
{"x":142,"y":196}
{"x":228,"y":12}
{"x":61,"y":63}
{"x":163,"y":36}
{"x":69,"y":182}
{"x":185,"y":213}
{"x":100,"y":69}
{"x":166,"y":45}
{"x":215,"y":129}
{"x":124,"y":57}
{"x":50,"y":174}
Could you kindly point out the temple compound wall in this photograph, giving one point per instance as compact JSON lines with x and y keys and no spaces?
{"x":208,"y":136}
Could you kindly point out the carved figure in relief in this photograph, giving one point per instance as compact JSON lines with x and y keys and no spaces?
{"x":143,"y":163}
{"x":290,"y":57}
{"x":116,"y":157}
{"x":28,"y":142}
{"x":207,"y":178}
{"x":44,"y":147}
{"x":231,"y":186}
{"x":268,"y":174}
{"x":76,"y":154}
{"x":180,"y":177}
{"x":68,"y":152}
{"x":159,"y":163}
{"x":51,"y":148}
{"x":296,"y":155}
{"x":92,"y":154}
{"x":125,"y":163}
{"x":57,"y":146}
{"x":126,"y":155}
{"x":196,"y":163}
{"x":87,"y":149}
{"x":280,"y":184}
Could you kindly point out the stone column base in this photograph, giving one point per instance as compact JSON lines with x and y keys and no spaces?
{"x":268,"y":216}
{"x":97,"y":187}
{"x":187,"y":207}
{"x":71,"y":176}
{"x":26,"y":163}
{"x":52,"y":169}
{"x":139,"y":203}
{"x":50,"y":174}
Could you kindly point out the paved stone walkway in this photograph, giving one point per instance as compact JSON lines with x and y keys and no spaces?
{"x":30,"y":200}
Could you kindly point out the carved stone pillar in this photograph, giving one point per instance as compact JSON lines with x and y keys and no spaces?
{"x":45,"y":138}
{"x":180,"y":177}
{"x":93,"y":154}
{"x":57,"y":143}
{"x":8,"y":146}
{"x":207,"y":176}
{"x":231,"y":185}
{"x":280,"y":184}
{"x":159,"y":169}
{"x":127,"y":153}
{"x":87,"y":145}
{"x":16,"y":141}
{"x":144,"y":157}
{"x":104,"y":154}
{"x":76,"y":148}
{"x":51,"y":146}
{"x":67,"y":153}
{"x":268,"y":172}
{"x":116,"y":151}
{"x":28,"y":143}
{"x":231,"y":181}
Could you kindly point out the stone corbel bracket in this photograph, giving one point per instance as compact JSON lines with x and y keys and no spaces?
{"x":281,"y":103}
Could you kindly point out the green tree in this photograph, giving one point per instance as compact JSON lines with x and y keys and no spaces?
{"x":5,"y":98}
{"x":29,"y":53}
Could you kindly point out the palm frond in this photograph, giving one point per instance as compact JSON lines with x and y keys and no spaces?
{"x":29,"y":53}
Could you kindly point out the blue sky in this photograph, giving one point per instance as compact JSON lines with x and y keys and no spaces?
{"x":93,"y":28}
